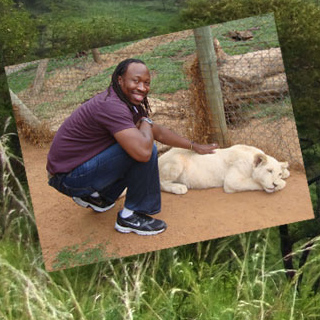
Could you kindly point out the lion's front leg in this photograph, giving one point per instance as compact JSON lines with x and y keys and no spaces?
{"x":170,"y":173}
{"x":237,"y":182}
{"x":173,"y":187}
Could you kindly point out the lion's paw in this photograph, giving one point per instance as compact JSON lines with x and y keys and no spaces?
{"x":280,"y":185}
{"x":180,"y":189}
{"x":176,"y":188}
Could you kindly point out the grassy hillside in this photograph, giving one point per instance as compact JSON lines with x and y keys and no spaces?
{"x":83,"y":25}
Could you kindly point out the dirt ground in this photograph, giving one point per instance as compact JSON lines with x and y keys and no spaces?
{"x":197,"y":216}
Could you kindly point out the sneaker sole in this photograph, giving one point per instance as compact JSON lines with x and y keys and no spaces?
{"x":92,"y":206}
{"x":139,"y":232}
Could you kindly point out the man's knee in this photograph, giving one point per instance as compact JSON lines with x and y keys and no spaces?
{"x":154,"y":155}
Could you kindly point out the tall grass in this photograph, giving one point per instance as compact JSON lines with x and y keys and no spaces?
{"x":14,"y":200}
{"x":239,"y":277}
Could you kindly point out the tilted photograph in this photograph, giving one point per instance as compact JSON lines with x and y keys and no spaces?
{"x":160,"y":142}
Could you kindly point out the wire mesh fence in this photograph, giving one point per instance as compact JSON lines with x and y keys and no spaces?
{"x":255,"y":95}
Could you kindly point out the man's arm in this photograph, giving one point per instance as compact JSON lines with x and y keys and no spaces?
{"x":170,"y":138}
{"x":137,"y":142}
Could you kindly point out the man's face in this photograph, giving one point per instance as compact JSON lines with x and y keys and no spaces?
{"x":135,"y":82}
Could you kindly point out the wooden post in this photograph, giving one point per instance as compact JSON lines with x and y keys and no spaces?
{"x":23,"y":112}
{"x":40,"y":76}
{"x":96,"y":56}
{"x":209,"y":71}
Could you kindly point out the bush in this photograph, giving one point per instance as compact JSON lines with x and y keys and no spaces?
{"x":77,"y":35}
{"x":18,"y":33}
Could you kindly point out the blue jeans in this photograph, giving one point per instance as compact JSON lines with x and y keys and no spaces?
{"x":109,"y":173}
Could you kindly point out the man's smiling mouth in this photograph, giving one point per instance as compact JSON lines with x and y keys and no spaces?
{"x":138,"y":96}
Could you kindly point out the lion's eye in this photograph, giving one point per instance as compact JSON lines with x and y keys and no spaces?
{"x":270,"y":170}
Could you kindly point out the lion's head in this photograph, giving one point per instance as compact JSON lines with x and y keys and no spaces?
{"x":269,"y":172}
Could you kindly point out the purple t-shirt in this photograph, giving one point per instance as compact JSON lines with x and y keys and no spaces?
{"x":89,"y":130}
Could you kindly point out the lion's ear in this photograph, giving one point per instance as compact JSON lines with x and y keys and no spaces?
{"x":259,"y":158}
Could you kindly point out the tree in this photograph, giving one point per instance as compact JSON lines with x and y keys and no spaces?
{"x":17,"y":33}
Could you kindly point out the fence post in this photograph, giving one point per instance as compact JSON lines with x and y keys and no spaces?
{"x":209,"y":72}
{"x":40,"y":76}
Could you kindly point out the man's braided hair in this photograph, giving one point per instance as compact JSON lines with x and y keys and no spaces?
{"x":120,"y":71}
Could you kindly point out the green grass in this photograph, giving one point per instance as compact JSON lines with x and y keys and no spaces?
{"x":114,"y":47}
{"x":21,"y":80}
{"x":137,"y":19}
{"x":180,"y":48}
{"x":264,"y":37}
{"x":249,"y":283}
{"x":238,"y":277}
{"x":78,"y":255}
{"x":145,"y":18}
{"x":169,"y":76}
{"x":150,"y":15}
{"x":270,"y":111}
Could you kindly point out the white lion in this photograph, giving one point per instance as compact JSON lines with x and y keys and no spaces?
{"x":238,"y":168}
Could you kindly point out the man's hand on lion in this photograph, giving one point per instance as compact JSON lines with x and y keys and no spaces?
{"x":204,"y":148}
